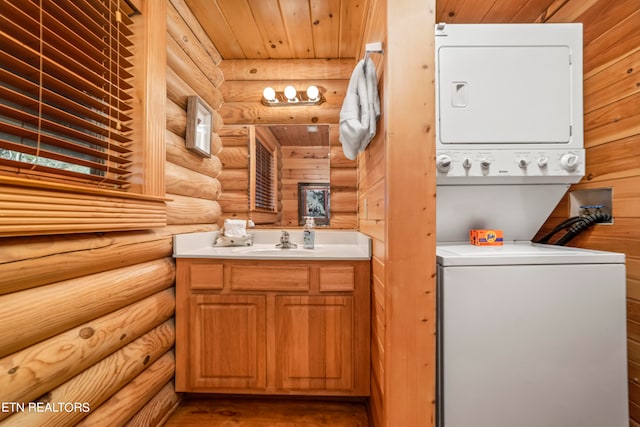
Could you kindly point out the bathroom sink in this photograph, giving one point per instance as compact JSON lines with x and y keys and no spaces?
{"x":329,"y":245}
{"x":276,"y":252}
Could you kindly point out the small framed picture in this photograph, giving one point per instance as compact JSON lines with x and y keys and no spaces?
{"x":199,"y":119}
{"x":313,"y":201}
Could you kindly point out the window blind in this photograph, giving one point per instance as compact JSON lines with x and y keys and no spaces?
{"x":65,"y":109}
{"x":265,"y":170}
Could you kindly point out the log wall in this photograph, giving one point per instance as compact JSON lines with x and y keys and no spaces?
{"x":612,"y":143}
{"x":87,"y":320}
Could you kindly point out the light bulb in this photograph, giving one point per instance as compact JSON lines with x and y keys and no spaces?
{"x":313,"y":93}
{"x":269,"y":94}
{"x":290,"y":92}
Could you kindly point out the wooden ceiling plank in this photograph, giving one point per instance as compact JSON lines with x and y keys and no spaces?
{"x":266,"y":14}
{"x":299,"y":135}
{"x":352,"y":20}
{"x":243,"y":25}
{"x":217,"y":28}
{"x":287,"y":69}
{"x":325,"y":27}
{"x":297,"y":20}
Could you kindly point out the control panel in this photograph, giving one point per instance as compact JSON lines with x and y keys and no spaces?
{"x":561,"y":165}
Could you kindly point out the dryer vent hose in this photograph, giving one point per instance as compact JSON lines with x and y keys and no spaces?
{"x":575,"y":225}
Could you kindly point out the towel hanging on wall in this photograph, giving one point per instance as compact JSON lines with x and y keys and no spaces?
{"x":360,"y":109}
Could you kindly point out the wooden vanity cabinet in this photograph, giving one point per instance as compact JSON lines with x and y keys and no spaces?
{"x":273,"y":327}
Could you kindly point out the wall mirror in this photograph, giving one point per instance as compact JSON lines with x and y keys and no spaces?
{"x":303,"y":158}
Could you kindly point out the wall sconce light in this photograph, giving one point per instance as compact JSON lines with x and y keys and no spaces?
{"x":290,"y":96}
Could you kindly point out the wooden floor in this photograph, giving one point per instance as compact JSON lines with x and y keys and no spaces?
{"x":228,"y":412}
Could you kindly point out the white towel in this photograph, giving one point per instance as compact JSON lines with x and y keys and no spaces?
{"x":235,"y":228}
{"x":360,"y":109}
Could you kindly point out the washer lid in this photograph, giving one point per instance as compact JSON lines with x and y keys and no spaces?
{"x":520,"y":253}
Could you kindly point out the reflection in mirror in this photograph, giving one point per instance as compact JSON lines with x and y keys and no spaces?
{"x":304,"y":160}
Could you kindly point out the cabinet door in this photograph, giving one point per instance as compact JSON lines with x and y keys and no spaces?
{"x":227,"y":342}
{"x":315,"y":343}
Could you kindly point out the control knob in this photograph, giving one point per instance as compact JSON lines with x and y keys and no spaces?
{"x":569,"y":162}
{"x":542,"y":162}
{"x":466,"y":163}
{"x":443,"y":163}
{"x":484,"y":163}
{"x":523,"y":163}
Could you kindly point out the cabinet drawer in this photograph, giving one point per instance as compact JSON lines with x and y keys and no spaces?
{"x":337,"y":278}
{"x":269,"y":278}
{"x":206,"y":275}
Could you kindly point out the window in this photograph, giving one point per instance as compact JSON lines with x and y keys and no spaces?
{"x":263,"y":172}
{"x":65,"y":103}
{"x":264,"y":193}
{"x":70,"y":156}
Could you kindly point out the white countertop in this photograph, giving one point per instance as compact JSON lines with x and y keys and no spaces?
{"x":329,"y":245}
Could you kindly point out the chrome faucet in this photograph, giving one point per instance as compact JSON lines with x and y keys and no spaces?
{"x":284,"y":242}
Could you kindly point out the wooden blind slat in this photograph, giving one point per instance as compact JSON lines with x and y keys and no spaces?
{"x":60,"y":129}
{"x":25,"y":20}
{"x":51,"y":68}
{"x":95,"y":179}
{"x":54,"y":98}
{"x":78,"y":123}
{"x":64,"y":98}
{"x":21,"y":71}
{"x":264,"y":196}
{"x":51,"y":140}
{"x":61,"y":157}
{"x":97,"y":10}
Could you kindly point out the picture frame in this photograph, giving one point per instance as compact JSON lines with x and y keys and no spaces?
{"x":314,"y":201}
{"x":199,"y":124}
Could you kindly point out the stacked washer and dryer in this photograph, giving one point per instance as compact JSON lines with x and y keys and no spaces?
{"x":529,"y":335}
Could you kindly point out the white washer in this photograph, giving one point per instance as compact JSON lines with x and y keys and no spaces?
{"x":528,"y":335}
{"x":531,"y":336}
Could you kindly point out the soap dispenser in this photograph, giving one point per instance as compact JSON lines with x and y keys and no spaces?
{"x":308,"y":233}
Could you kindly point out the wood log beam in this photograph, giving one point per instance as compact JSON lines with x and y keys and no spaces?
{"x":178,"y":154}
{"x":26,"y":261}
{"x":189,"y":210}
{"x":257,"y":113}
{"x":131,"y":398}
{"x":287,"y":69}
{"x":158,"y":410}
{"x":96,"y":384}
{"x":251,"y":90}
{"x":29,"y":373}
{"x":186,"y":182}
{"x":185,"y":67}
{"x":194,"y":25}
{"x":73,"y":302}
